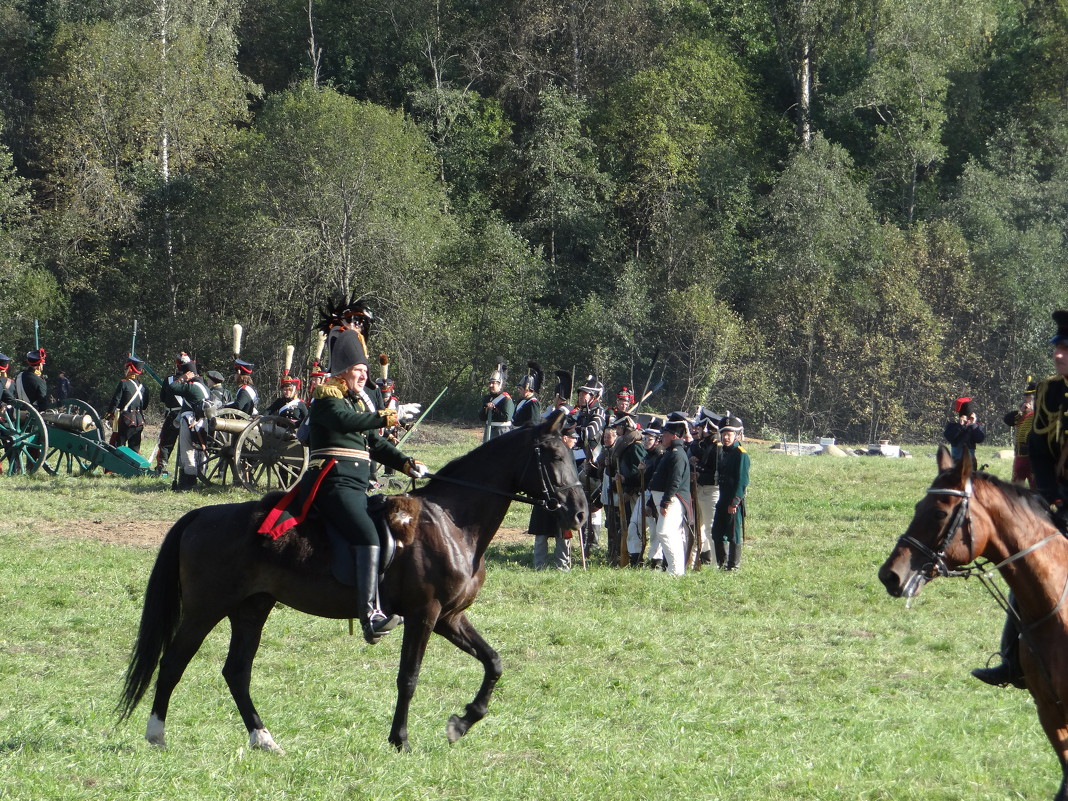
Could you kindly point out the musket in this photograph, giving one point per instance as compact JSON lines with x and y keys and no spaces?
{"x":646,"y":395}
{"x":696,"y":542}
{"x":624,"y":556}
{"x":641,"y":500}
{"x":36,"y":336}
{"x":649,"y":378}
{"x":426,"y":411}
{"x":133,"y":353}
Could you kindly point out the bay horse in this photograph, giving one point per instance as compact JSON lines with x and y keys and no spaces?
{"x":967,"y":516}
{"x":213,"y":565}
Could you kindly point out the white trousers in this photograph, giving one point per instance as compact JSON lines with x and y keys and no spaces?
{"x":634,"y":529}
{"x":190,"y":455}
{"x":670,"y":536}
{"x":707,"y":496}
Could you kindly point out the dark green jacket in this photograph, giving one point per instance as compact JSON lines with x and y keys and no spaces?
{"x":672,"y":476}
{"x":733,"y":474}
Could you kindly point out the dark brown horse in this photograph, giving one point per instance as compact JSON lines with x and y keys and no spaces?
{"x":213,"y":565}
{"x":967,"y":516}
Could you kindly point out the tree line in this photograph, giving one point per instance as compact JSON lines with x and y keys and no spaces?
{"x":827,"y":216}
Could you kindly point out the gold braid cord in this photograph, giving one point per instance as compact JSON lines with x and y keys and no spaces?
{"x":1049,"y":423}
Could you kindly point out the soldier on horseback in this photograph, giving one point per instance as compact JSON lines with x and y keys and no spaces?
{"x":344,"y":436}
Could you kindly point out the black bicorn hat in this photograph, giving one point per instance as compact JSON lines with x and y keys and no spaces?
{"x":346,"y":350}
{"x":341,"y":313}
{"x":563,"y":384}
{"x":532,"y":380}
{"x":1060,"y":317}
{"x":677,"y":423}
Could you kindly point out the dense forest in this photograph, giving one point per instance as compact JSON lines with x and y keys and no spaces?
{"x":828,"y":216}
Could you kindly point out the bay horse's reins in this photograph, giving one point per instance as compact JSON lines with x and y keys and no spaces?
{"x":962,"y":519}
{"x":549,"y":502}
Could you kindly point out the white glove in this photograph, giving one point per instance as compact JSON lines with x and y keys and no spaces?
{"x":417,"y":469}
{"x":406,"y":412}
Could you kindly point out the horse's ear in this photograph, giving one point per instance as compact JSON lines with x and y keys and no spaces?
{"x":555,"y":424}
{"x":943,"y":459}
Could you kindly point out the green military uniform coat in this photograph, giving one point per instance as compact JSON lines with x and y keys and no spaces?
{"x":733,"y":481}
{"x":339,"y":420}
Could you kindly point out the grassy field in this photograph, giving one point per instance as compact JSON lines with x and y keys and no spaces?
{"x":795,"y":678}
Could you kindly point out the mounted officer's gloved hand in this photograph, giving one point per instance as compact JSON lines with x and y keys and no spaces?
{"x":406,"y":412}
{"x":1059,"y":512}
{"x":415,"y":469}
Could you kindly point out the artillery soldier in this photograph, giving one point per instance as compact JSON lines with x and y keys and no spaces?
{"x":624,"y":400}
{"x":289,"y":405}
{"x":174,"y":405}
{"x":561,"y":395}
{"x":7,"y":383}
{"x":627,"y":453}
{"x":528,"y":410}
{"x":220,"y":395}
{"x":1020,"y":421}
{"x":704,"y":460}
{"x":497,"y":406}
{"x":642,"y":518}
{"x":245,"y":397}
{"x":728,"y":526}
{"x":670,"y":488}
{"x":30,"y":385}
{"x":192,"y":439}
{"x":590,"y":419}
{"x":126,"y":409}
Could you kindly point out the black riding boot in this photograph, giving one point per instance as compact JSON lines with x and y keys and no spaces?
{"x":374,"y":621}
{"x":1009,"y":671}
{"x":721,"y":553}
{"x":734,"y":556}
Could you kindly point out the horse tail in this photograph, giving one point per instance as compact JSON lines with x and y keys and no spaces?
{"x":159,"y":618}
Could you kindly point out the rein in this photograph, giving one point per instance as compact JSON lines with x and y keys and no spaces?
{"x":549,"y":502}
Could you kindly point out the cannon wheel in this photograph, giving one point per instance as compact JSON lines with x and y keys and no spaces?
{"x":72,"y":463}
{"x":269,"y":455}
{"x":219,"y":463}
{"x":24,"y":437}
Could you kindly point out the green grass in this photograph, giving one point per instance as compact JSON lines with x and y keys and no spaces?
{"x":796,"y":678}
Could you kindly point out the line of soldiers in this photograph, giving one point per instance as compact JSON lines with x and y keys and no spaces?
{"x":670,"y":490}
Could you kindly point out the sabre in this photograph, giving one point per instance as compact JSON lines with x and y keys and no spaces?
{"x":426,"y":411}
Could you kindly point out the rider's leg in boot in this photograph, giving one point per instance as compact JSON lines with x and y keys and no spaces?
{"x":1009,"y":671}
{"x":375,"y":623}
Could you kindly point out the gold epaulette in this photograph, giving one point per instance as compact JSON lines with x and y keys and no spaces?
{"x":743,"y":450}
{"x":332,"y":388}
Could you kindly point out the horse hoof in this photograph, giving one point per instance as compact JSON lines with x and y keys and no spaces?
{"x":455,"y":729}
{"x":154,"y":733}
{"x":261,"y":739}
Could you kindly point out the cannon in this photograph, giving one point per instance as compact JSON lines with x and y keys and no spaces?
{"x":23,"y":438}
{"x":78,"y":443}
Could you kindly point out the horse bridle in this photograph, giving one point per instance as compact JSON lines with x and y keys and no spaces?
{"x":960,"y":520}
{"x":549,"y":501}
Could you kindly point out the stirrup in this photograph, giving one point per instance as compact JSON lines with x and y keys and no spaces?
{"x":377,"y":625}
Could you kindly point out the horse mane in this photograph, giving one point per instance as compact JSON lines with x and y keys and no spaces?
{"x":1019,"y":495}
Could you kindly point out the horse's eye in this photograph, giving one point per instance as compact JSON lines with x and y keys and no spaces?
{"x":941,"y":514}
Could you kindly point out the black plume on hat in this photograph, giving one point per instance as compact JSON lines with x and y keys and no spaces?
{"x":1060,"y":317}
{"x":563,"y":384}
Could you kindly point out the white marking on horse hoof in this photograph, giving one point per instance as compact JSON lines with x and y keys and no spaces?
{"x":402,"y":518}
{"x":261,"y":739}
{"x":452,"y":729}
{"x":154,"y":732}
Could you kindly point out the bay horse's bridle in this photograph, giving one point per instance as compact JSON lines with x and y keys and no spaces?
{"x":960,"y":521}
